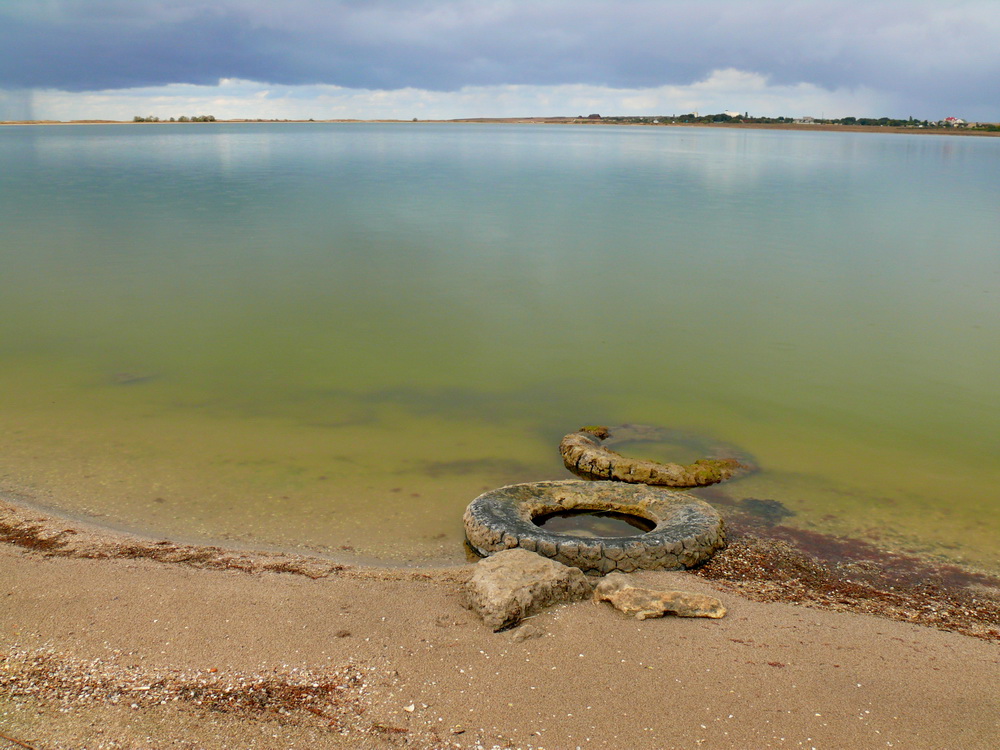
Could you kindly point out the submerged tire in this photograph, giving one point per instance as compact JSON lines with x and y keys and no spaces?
{"x":687,"y":531}
{"x":587,"y":454}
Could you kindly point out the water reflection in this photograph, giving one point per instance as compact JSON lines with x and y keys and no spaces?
{"x":351,"y":302}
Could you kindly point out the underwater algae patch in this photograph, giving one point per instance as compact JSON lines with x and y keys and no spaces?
{"x":138,"y":457}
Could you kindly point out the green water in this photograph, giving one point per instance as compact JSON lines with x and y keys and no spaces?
{"x":333,"y":337}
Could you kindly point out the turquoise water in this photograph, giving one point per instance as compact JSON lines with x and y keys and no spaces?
{"x":333,"y":337}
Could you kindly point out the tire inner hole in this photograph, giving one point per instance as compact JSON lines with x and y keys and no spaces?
{"x":594,"y":523}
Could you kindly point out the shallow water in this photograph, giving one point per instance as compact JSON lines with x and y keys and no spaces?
{"x":333,"y":337}
{"x":584,"y":523}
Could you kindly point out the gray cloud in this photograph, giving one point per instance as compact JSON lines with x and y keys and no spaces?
{"x":930,"y":55}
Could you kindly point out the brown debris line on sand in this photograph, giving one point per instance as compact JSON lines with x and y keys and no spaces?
{"x":51,"y":536}
{"x":771,"y":570}
{"x":46,"y":674}
{"x":334,"y":695}
{"x":585,"y":454}
{"x":12,"y":741}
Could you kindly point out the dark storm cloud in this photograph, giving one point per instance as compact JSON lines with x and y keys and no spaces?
{"x":925,"y":52}
{"x":89,"y":54}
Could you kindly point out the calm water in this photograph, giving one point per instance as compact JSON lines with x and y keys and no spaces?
{"x":333,"y":337}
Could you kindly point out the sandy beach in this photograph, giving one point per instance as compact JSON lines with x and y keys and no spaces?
{"x":112,"y":641}
{"x":454,"y":375}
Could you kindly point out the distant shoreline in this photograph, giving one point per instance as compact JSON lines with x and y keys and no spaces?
{"x":800,"y":127}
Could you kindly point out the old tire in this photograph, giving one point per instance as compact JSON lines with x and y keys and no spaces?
{"x":587,"y":454}
{"x":687,"y":532}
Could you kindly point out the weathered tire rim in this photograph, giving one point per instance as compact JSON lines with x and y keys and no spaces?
{"x":687,"y":531}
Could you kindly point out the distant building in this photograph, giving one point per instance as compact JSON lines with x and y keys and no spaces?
{"x":728,"y":113}
{"x":593,"y":117}
{"x":953,"y":121}
{"x":806,"y":121}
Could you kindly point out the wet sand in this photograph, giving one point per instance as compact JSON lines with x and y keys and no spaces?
{"x":111,"y":641}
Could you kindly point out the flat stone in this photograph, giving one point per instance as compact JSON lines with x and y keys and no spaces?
{"x":511,"y":585}
{"x":627,"y":595}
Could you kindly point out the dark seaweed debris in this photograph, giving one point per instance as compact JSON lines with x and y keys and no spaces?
{"x":63,"y":543}
{"x":332,"y":694}
{"x":32,"y":537}
{"x":775,"y":570}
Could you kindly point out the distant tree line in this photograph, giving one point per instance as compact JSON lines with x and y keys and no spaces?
{"x":694,"y":118}
{"x":889,"y":122}
{"x":182,"y":118}
{"x":722,"y":117}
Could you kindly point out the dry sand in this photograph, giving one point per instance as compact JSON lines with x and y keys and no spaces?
{"x":103,"y":647}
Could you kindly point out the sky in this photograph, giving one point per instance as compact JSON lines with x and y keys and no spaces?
{"x":430,"y":59}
